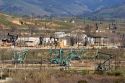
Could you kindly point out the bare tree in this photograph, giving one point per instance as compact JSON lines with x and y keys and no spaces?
{"x":123,"y":40}
{"x":88,"y":29}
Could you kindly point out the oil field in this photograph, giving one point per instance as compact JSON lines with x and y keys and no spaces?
{"x":61,"y":46}
{"x":62,"y":51}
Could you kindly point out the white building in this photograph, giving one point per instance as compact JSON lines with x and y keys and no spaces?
{"x":28,"y":41}
{"x":59,"y":34}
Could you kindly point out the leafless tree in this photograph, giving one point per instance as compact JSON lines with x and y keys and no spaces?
{"x":88,"y":29}
{"x":123,"y":40}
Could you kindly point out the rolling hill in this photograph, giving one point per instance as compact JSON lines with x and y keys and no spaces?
{"x":57,"y":7}
{"x":117,"y":11}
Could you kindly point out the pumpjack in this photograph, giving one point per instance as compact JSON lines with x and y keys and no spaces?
{"x":19,"y":57}
{"x":105,"y":63}
{"x":59,"y":57}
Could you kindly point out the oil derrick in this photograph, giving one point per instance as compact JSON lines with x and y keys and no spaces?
{"x":113,"y":27}
{"x":117,"y":63}
{"x":96,"y":25}
{"x":123,"y":41}
{"x":41,"y":40}
{"x":109,"y":27}
{"x":86,"y":41}
{"x":72,"y":41}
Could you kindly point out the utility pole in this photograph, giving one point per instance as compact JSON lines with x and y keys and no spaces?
{"x":1,"y":67}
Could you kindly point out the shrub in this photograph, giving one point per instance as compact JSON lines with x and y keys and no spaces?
{"x":82,"y":81}
{"x":120,"y":81}
{"x":84,"y":72}
{"x":114,"y":73}
{"x":99,"y":72}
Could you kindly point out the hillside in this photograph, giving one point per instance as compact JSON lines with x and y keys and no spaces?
{"x":44,"y":7}
{"x":19,"y":7}
{"x":54,"y":7}
{"x":6,"y":21}
{"x":117,"y":11}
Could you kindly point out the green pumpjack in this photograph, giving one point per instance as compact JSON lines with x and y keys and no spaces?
{"x":60,"y":59}
{"x":19,"y":57}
